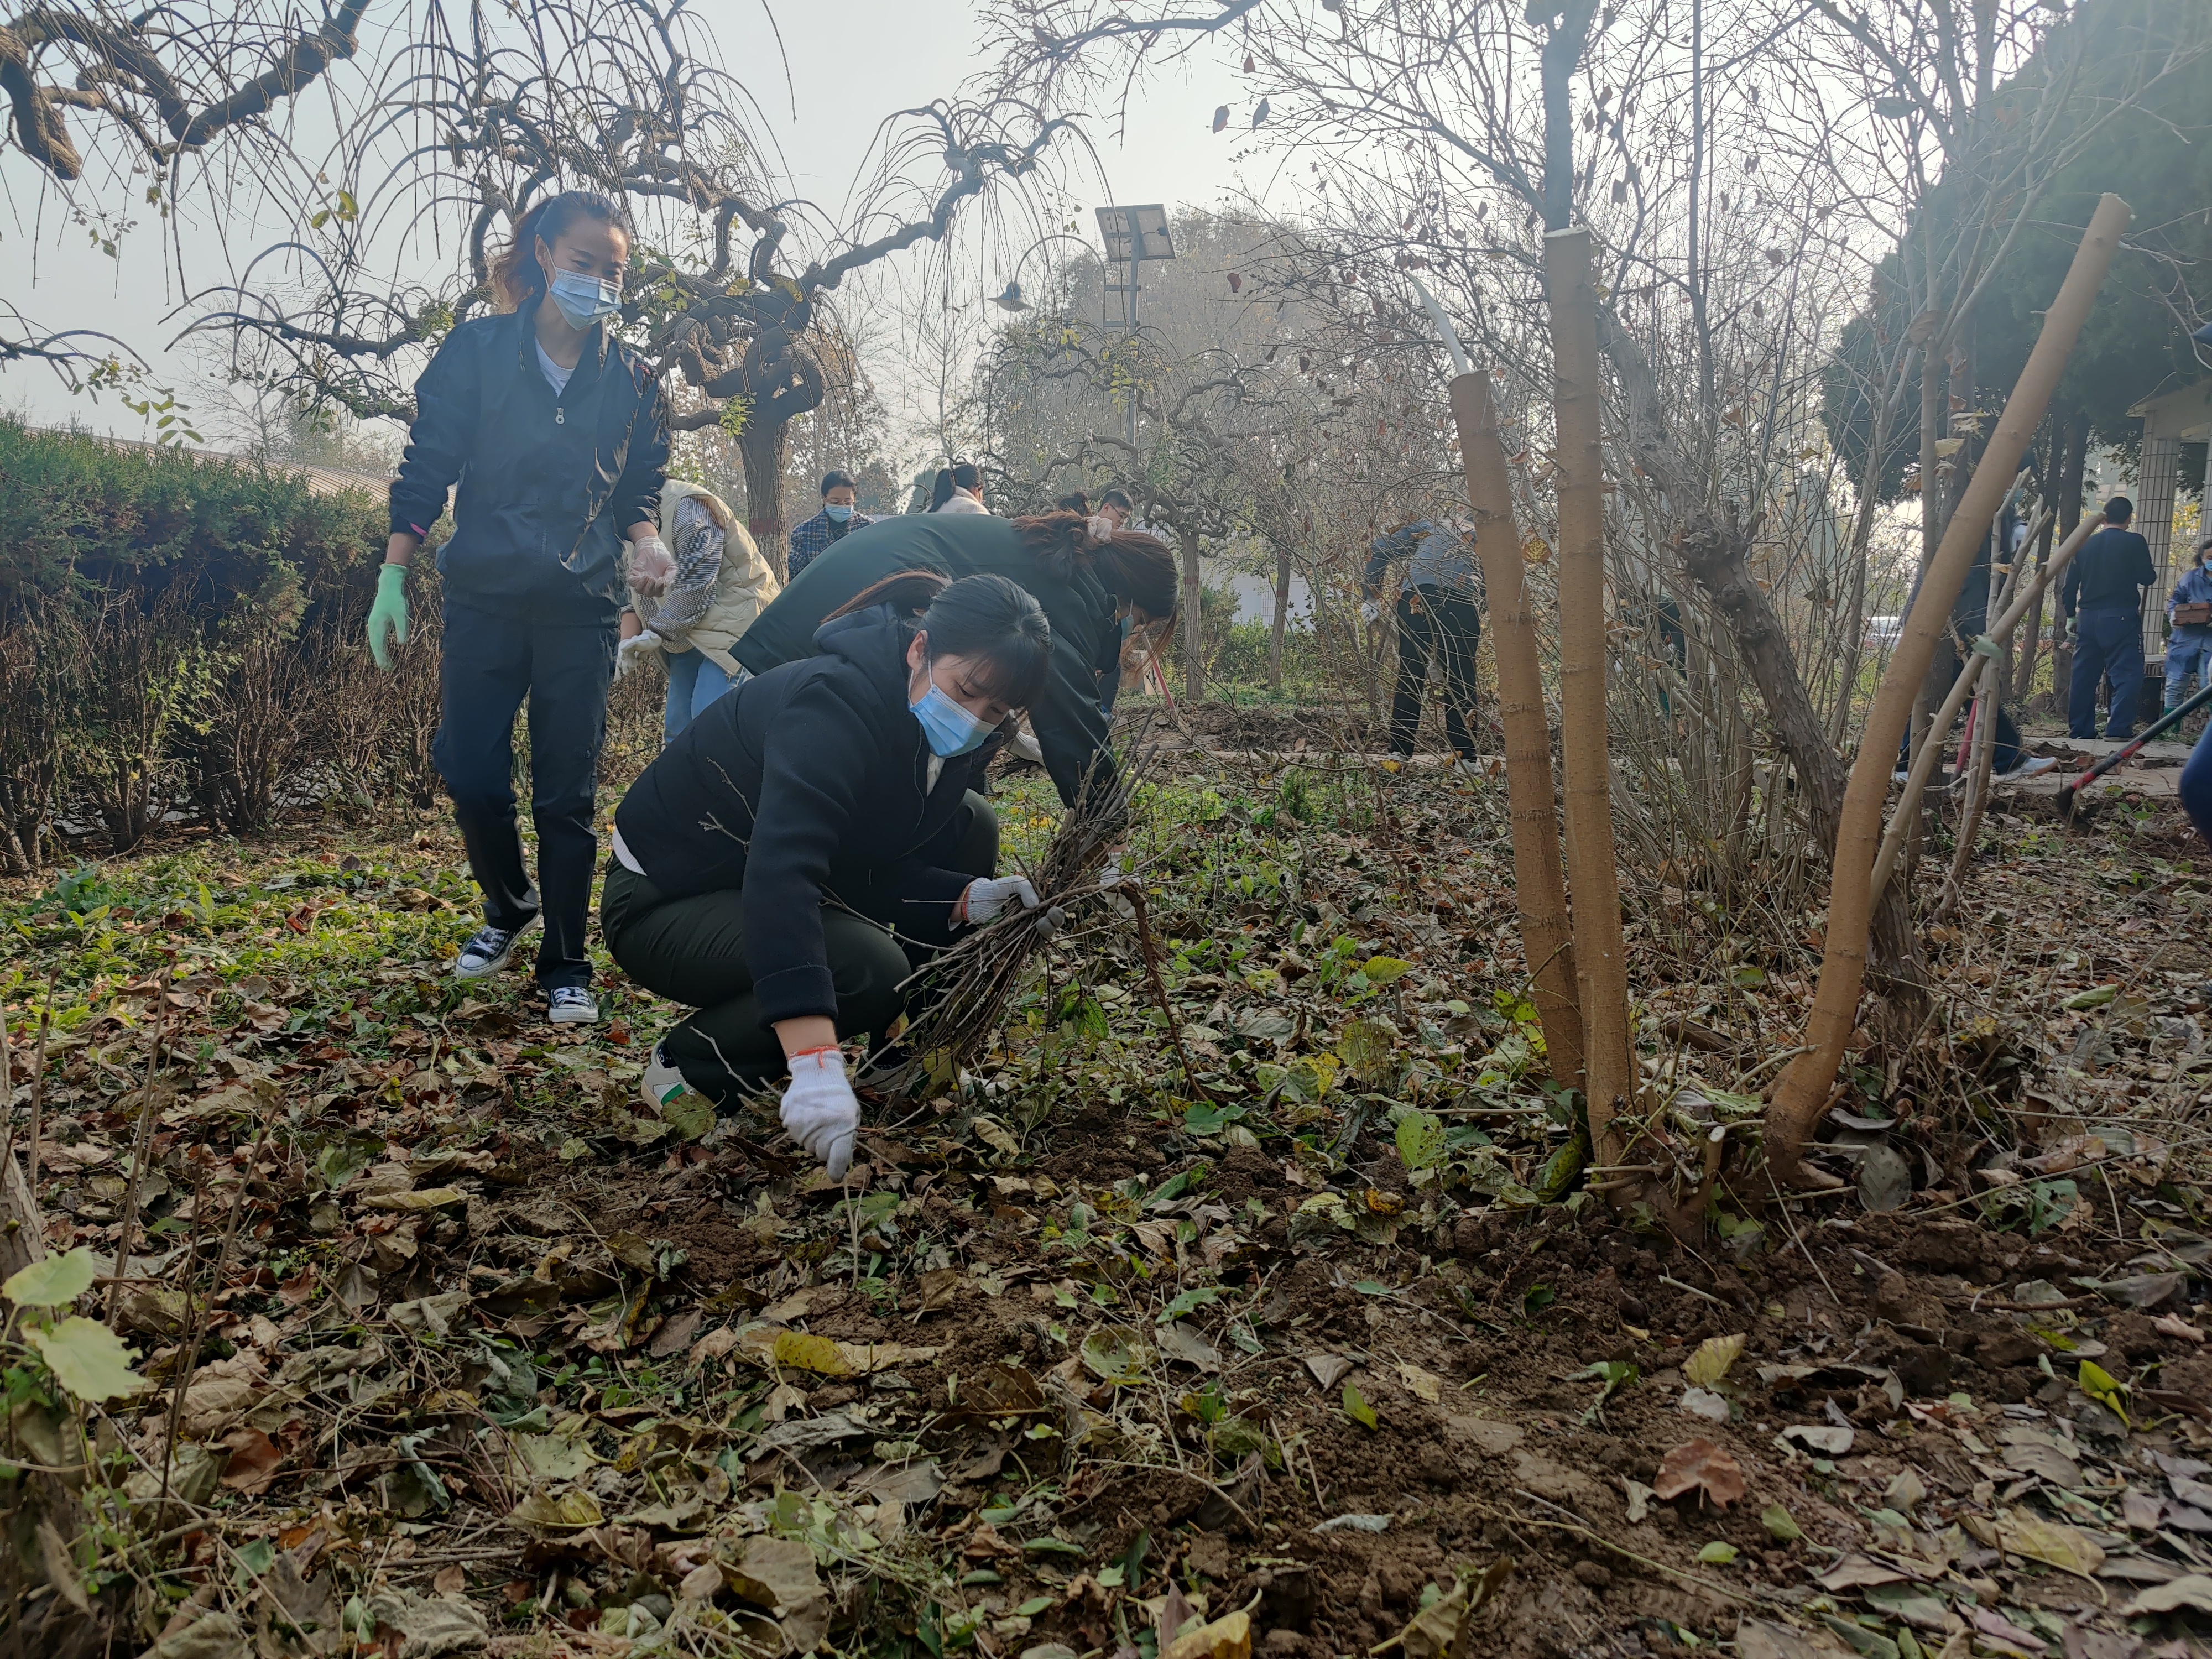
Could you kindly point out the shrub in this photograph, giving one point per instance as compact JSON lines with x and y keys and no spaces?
{"x":177,"y":634}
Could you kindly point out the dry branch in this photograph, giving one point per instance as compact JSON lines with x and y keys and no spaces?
{"x":969,"y":987}
{"x":1923,"y":765}
{"x":1601,"y":966}
{"x":1547,"y":939}
{"x":1802,"y":1093}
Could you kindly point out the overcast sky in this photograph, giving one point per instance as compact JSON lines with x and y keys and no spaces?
{"x":851,"y":62}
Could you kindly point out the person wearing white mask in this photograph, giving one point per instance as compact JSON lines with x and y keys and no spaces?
{"x":786,"y":865}
{"x":839,"y":518}
{"x":556,"y":434}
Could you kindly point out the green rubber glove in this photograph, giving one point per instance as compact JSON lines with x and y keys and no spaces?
{"x":388,"y":612}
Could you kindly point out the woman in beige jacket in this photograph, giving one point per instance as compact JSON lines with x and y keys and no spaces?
{"x":722,"y":584}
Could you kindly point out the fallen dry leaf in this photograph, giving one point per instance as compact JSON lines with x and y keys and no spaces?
{"x":1226,"y":1637}
{"x":2052,"y":1543}
{"x":2192,"y":1590}
{"x":1700,"y":1466}
{"x":1422,"y":1385}
{"x":254,"y":1459}
{"x":1711,"y":1361}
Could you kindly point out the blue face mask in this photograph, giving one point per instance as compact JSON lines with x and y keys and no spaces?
{"x":949,"y":729}
{"x":837,"y":514}
{"x":584,"y":299}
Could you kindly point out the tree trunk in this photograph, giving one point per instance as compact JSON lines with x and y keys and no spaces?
{"x":1282,"y":620}
{"x":1194,"y":631}
{"x":1609,"y":1062}
{"x":2074,"y":461}
{"x":764,"y":449}
{"x":1547,"y":939}
{"x":2019,"y":665}
{"x":1715,"y":554}
{"x":1802,"y":1094}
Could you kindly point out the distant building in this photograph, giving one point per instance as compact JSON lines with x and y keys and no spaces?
{"x":2170,"y":420}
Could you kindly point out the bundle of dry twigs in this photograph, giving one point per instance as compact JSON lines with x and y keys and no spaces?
{"x":964,"y":993}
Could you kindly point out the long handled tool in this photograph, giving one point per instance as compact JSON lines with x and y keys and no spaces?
{"x":2070,"y":795}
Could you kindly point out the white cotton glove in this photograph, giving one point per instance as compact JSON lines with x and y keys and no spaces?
{"x":1100,"y":527}
{"x":632,"y":653}
{"x":1372,"y":610}
{"x":1111,"y":877}
{"x":985,"y":899}
{"x":651,"y":567}
{"x":820,"y":1111}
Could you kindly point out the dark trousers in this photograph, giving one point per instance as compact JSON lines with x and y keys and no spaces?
{"x":692,"y":951}
{"x":492,"y":661}
{"x":1447,"y":629}
{"x":2111,"y":645}
{"x":2195,"y":788}
{"x":1943,"y":673}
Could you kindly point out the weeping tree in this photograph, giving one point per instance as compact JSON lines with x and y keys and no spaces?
{"x":177,"y":112}
{"x":484,"y":113}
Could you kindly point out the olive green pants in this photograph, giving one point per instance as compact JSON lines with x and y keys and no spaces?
{"x":692,"y":951}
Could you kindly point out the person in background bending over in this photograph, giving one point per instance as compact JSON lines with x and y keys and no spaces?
{"x":1082,"y":582}
{"x":838,"y":519}
{"x":2189,"y":608}
{"x":2103,"y":592}
{"x":958,"y":489}
{"x":557,"y":436}
{"x":722,"y":584}
{"x":1439,"y":616}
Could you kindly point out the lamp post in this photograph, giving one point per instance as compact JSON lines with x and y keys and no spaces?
{"x":1133,"y":235}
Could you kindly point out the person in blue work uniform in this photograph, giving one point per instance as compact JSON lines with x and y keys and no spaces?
{"x":2189,"y":648}
{"x":1439,"y":617}
{"x":557,"y":437}
{"x":2103,"y":593}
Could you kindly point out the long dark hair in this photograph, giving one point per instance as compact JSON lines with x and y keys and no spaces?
{"x":1134,"y":568}
{"x":988,"y":619}
{"x":517,"y":280}
{"x":961,"y":474}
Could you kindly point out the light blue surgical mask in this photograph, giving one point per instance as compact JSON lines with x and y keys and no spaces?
{"x":838,"y":514}
{"x":584,"y":299}
{"x":949,"y":729}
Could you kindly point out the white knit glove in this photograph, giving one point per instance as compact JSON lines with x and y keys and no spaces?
{"x":1111,"y":877}
{"x":651,"y":567}
{"x":632,"y":653}
{"x":820,"y":1111}
{"x":986,"y":898}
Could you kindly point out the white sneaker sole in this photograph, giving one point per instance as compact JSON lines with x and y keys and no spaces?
{"x":574,"y":1016}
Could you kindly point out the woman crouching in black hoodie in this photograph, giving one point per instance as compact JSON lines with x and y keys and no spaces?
{"x":785,"y":860}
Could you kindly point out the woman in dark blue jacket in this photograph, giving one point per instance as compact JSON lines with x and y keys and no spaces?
{"x":557,"y":438}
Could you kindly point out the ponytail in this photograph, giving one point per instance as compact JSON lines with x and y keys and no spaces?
{"x":961,"y":474}
{"x":1134,"y":568}
{"x":908,"y":593}
{"x":517,"y":280}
